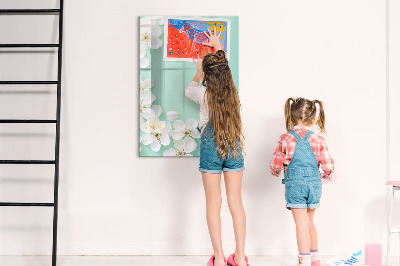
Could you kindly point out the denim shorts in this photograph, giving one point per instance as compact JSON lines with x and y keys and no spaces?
{"x":303,"y":193}
{"x":210,"y":160}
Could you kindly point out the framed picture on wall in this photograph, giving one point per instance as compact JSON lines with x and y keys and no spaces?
{"x":169,"y":120}
{"x":184,"y":37}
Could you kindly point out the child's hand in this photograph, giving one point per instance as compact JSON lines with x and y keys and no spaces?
{"x":199,"y":66}
{"x":326,"y":180}
{"x":213,"y":39}
{"x":273,"y":173}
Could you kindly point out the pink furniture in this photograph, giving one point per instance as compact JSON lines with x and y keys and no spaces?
{"x":394,"y":185}
{"x":373,"y":254}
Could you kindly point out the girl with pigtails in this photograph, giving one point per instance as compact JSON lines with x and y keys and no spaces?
{"x":302,"y":154}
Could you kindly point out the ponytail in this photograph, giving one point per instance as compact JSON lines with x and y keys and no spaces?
{"x":321,"y":116}
{"x":288,"y":114}
{"x":220,"y":56}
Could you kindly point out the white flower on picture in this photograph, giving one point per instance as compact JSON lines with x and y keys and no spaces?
{"x":146,"y":84}
{"x":154,"y":111}
{"x":152,"y":20}
{"x":188,"y":129}
{"x":156,"y":133}
{"x":146,"y":99}
{"x":143,"y":51}
{"x":172,"y":116}
{"x":150,"y":37}
{"x":144,"y":62}
{"x":150,"y":33}
{"x":182,"y":147}
{"x":145,"y":39}
{"x":147,"y":110}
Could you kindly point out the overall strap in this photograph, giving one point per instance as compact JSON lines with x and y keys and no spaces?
{"x":308,"y":134}
{"x":294,"y":133}
{"x":303,"y":164}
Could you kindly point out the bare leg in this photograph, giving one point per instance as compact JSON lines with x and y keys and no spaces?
{"x":233,"y":183}
{"x":313,"y":230}
{"x":212,"y":188}
{"x":302,"y":221}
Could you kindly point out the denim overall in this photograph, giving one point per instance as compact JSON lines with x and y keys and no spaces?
{"x":302,"y":181}
{"x":211,"y":162}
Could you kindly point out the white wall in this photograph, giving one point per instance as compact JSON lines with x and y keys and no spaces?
{"x":114,"y":202}
{"x":394,"y":109}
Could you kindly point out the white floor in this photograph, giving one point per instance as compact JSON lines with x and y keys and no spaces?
{"x":135,"y":260}
{"x":142,"y":260}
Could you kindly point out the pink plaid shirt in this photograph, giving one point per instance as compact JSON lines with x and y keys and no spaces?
{"x":287,"y":144}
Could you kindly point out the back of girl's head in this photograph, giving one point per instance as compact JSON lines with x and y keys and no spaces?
{"x":303,"y":111}
{"x":223,"y":103}
{"x":215,"y":66}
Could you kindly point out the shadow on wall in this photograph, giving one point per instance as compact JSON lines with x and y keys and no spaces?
{"x":187,"y":211}
{"x":375,"y":220}
{"x":375,"y":213}
{"x":260,"y":186}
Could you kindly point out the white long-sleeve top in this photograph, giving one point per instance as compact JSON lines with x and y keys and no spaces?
{"x":196,"y":93}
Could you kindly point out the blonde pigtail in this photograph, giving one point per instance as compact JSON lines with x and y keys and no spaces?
{"x":321,"y":116}
{"x":288,"y":114}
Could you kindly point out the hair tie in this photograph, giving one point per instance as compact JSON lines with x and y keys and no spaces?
{"x":219,"y":64}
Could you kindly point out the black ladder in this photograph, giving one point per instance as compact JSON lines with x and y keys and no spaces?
{"x":57,"y":82}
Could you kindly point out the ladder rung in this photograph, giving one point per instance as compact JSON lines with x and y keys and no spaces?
{"x":27,"y":161}
{"x":7,"y":11}
{"x":38,"y":204}
{"x":395,"y":231}
{"x":27,"y":121}
{"x":33,"y":45}
{"x":29,"y":82}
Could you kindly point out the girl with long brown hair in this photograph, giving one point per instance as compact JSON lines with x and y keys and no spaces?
{"x":221,"y":147}
{"x":302,"y":153}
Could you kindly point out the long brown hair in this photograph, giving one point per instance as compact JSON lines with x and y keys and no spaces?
{"x":303,"y":110}
{"x":223,"y":104}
